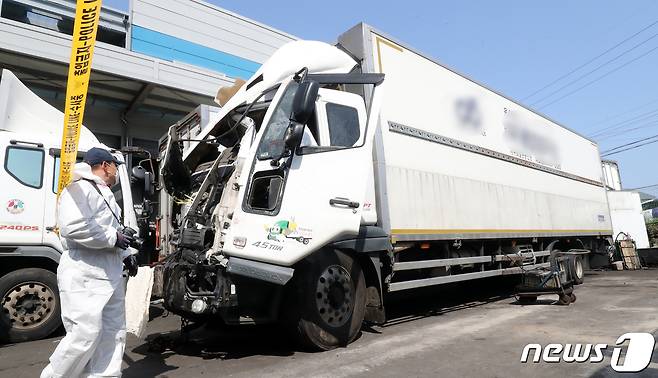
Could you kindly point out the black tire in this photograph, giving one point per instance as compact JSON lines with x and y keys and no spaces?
{"x":29,"y":305}
{"x":332,"y":300}
{"x":564,"y":300}
{"x":573,"y":297}
{"x":577,"y":269}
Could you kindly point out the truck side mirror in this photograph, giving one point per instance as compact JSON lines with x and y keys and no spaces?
{"x":293,"y":136}
{"x":303,"y":104}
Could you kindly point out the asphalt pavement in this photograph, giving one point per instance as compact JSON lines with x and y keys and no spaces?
{"x":476,"y":329}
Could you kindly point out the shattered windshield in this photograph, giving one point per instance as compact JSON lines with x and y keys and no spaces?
{"x":272,"y":142}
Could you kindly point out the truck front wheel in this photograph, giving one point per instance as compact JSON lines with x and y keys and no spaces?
{"x":332,"y":289}
{"x":29,"y":305}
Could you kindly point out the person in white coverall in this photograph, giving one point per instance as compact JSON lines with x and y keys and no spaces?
{"x":90,"y":272}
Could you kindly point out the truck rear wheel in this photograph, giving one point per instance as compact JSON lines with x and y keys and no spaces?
{"x":333,"y":300}
{"x":577,"y":269}
{"x":29,"y":305}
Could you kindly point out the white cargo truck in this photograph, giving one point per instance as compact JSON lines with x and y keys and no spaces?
{"x":347,"y":172}
{"x":30,"y":140}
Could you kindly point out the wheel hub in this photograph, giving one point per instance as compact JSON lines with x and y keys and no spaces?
{"x":28,"y":304}
{"x":335,"y":295}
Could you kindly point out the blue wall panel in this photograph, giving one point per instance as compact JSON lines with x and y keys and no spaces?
{"x":170,"y":48}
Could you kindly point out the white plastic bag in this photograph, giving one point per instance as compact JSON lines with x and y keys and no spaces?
{"x":138,"y":299}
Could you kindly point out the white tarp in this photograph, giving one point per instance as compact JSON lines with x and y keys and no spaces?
{"x":626,"y":215}
{"x":138,"y":299}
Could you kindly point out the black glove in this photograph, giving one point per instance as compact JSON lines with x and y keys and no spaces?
{"x":123,"y":240}
{"x":130,"y":265}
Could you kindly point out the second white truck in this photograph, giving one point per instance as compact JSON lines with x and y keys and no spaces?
{"x":338,"y":174}
{"x":30,"y":248}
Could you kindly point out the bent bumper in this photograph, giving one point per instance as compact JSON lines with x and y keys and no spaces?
{"x":244,"y":291}
{"x":260,"y":271}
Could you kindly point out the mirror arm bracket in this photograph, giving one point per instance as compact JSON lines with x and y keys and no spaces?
{"x":301,"y":75}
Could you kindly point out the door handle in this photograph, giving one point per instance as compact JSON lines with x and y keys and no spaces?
{"x":344,"y":202}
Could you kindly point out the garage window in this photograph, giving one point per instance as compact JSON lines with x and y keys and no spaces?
{"x":25,"y":165}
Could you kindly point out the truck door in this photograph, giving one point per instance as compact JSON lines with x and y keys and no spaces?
{"x":327,"y":183}
{"x":50,"y":236}
{"x":21,"y":215}
{"x":322,"y":193}
{"x":51,"y":178}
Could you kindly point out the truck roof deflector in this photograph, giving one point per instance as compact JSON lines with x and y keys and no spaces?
{"x":350,"y":78}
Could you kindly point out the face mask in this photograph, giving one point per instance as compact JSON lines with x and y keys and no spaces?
{"x":116,"y":177}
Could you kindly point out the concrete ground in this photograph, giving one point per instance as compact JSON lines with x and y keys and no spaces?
{"x":470,"y":330}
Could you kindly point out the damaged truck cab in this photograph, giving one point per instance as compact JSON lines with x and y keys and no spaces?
{"x":261,"y":197}
{"x":337,"y":174}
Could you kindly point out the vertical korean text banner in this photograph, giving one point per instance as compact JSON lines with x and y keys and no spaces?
{"x":87,"y":15}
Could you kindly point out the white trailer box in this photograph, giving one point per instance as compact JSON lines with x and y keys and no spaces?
{"x":456,"y":160}
{"x":626,"y":214}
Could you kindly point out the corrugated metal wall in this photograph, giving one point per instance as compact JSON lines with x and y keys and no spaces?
{"x":201,"y":34}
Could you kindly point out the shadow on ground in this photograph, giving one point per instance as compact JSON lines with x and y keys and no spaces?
{"x":206,"y":341}
{"x":410,"y":305}
{"x":59,"y":332}
{"x":606,"y":370}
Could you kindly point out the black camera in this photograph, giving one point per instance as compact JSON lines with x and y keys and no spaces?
{"x":133,"y":235}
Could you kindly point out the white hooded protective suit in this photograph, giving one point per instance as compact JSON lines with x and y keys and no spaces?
{"x":91,"y":286}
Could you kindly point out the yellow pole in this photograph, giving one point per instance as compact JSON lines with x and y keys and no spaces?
{"x":87,"y":14}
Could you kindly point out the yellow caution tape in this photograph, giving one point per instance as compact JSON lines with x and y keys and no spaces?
{"x":87,"y":14}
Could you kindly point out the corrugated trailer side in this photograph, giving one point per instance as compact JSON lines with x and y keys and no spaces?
{"x":456,"y":160}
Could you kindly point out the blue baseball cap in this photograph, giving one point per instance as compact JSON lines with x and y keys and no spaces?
{"x":98,"y":155}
